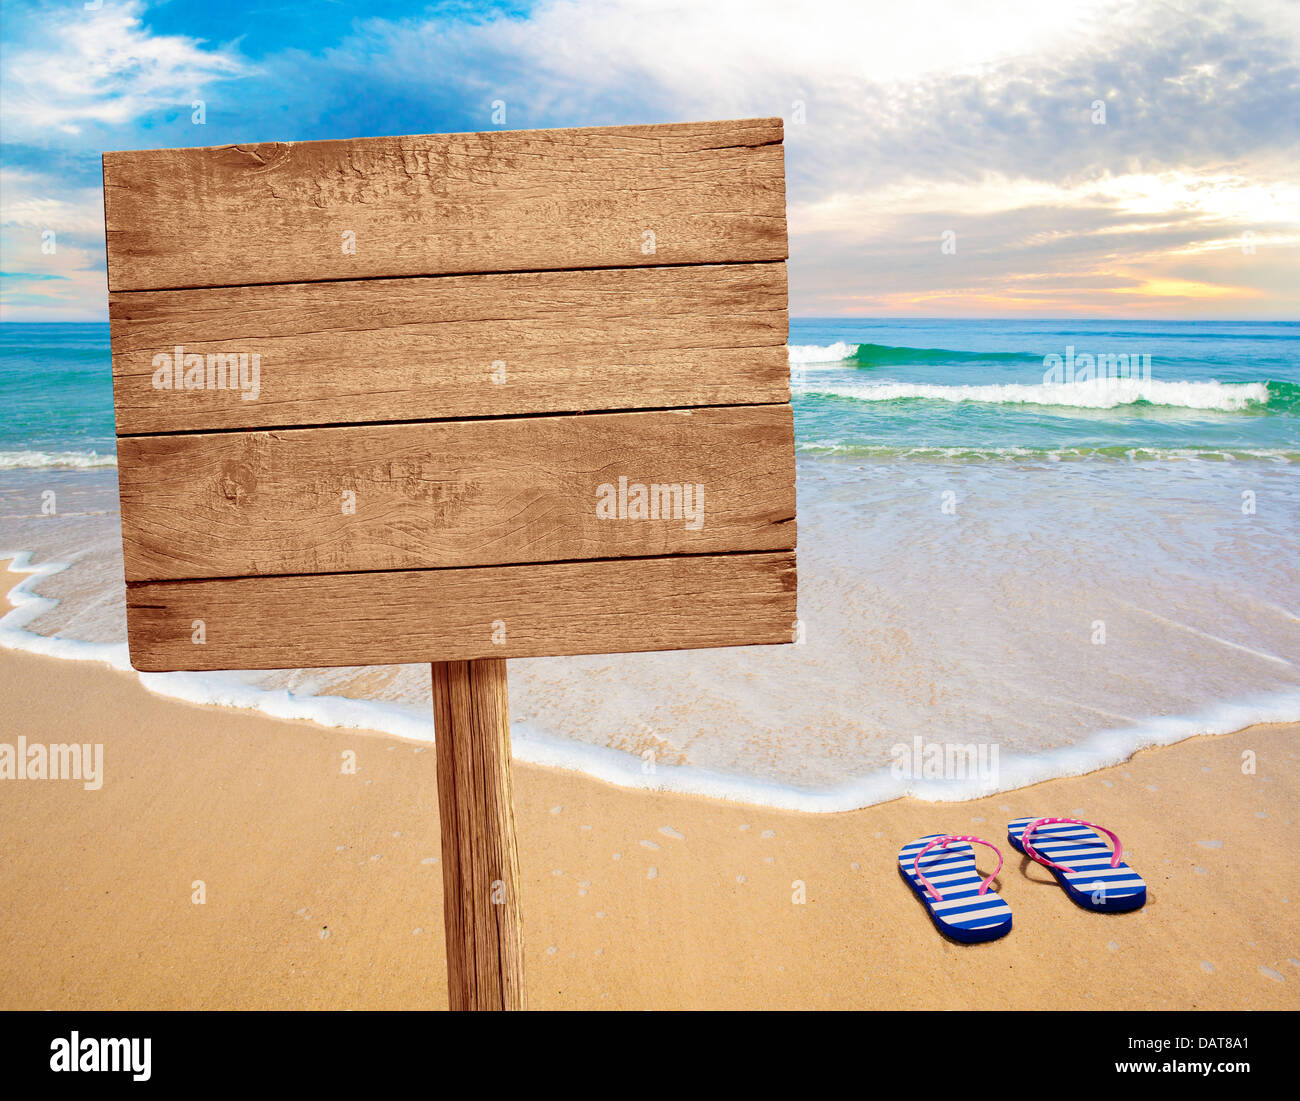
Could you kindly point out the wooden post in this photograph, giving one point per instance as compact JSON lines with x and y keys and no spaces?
{"x":480,"y":865}
{"x":484,"y":502}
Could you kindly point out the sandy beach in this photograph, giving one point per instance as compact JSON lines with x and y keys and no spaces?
{"x":855,"y":427}
{"x":323,"y":888}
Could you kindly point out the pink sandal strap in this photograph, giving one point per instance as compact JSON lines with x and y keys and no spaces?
{"x":942,"y":841}
{"x":1029,"y":848}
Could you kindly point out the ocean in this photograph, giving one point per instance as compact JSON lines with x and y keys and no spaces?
{"x":1050,"y":542}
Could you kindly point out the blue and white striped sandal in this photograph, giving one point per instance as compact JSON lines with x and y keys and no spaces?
{"x":1093,"y":876}
{"x":940,"y":868}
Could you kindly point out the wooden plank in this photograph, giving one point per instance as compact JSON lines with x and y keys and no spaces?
{"x":457,"y":493}
{"x":453,"y":346}
{"x":480,"y":861}
{"x":522,"y":200}
{"x":614,"y":606}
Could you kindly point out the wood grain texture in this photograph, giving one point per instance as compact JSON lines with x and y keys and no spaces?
{"x":456,"y":493}
{"x":480,"y":862}
{"x":605,"y":607}
{"x":523,"y":200}
{"x":458,"y":346}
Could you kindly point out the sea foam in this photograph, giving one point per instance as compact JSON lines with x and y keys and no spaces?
{"x":1229,"y":397}
{"x":17,"y":460}
{"x":818,"y":353}
{"x":615,"y":766}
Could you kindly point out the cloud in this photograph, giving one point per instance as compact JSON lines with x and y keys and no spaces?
{"x":74,"y":68}
{"x":935,"y":89}
{"x":923,"y":117}
{"x":74,"y":82}
{"x":52,"y":240}
{"x":904,"y":120}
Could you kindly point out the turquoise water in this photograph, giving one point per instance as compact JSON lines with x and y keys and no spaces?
{"x":956,"y":389}
{"x":1064,"y":571}
{"x":976,"y":389}
{"x":57,"y":385}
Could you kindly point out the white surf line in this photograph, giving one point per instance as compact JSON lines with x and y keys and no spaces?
{"x":1092,"y":709}
{"x":1206,"y":635}
{"x":820,"y":355}
{"x":340,"y":712}
{"x":1208,"y":396}
{"x":28,"y":605}
{"x":55,"y":460}
{"x":208,"y":689}
{"x":1099,"y":750}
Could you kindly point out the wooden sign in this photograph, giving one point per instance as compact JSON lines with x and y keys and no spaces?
{"x":454,"y":398}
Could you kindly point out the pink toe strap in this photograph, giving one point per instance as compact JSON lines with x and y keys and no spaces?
{"x":942,"y":841}
{"x":1029,"y":848}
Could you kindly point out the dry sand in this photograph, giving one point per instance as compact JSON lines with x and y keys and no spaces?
{"x":323,"y":889}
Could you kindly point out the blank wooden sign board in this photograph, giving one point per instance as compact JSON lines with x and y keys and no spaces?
{"x":454,"y":398}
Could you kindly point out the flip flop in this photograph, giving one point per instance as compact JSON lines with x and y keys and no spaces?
{"x":1093,"y":876}
{"x":940,"y":868}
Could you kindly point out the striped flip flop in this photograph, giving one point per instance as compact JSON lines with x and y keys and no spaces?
{"x":1071,"y":849}
{"x":940,"y":868}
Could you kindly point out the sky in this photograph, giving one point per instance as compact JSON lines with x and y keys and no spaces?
{"x":945,"y":158}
